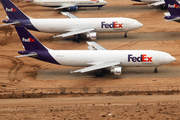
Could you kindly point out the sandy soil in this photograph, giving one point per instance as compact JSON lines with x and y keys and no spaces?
{"x":21,"y":73}
{"x":92,"y":108}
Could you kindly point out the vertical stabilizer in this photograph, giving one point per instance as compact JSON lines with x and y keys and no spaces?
{"x":12,"y":11}
{"x":28,"y":40}
{"x":173,"y":7}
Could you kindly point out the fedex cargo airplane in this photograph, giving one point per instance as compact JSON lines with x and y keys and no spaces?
{"x":72,"y":26}
{"x":69,"y":4}
{"x":97,"y":58}
{"x":174,"y":11}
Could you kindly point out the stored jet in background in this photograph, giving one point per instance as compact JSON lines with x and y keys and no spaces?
{"x":97,"y":58}
{"x":174,"y":11}
{"x":72,"y":26}
{"x":69,"y":4}
{"x":153,"y":3}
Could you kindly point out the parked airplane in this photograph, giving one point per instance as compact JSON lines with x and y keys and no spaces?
{"x":69,"y":4}
{"x":174,"y":11}
{"x":70,"y":27}
{"x":153,"y":3}
{"x":97,"y":58}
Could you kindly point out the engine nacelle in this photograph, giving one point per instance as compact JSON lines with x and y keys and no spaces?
{"x":116,"y":70}
{"x":91,"y":35}
{"x":73,"y":8}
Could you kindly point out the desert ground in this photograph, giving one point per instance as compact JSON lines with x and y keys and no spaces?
{"x":25,"y":73}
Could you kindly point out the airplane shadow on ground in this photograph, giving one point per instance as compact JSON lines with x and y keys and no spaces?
{"x":127,"y":72}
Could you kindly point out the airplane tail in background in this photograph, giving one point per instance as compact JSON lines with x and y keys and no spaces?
{"x":173,"y":7}
{"x":28,"y":40}
{"x":12,"y":11}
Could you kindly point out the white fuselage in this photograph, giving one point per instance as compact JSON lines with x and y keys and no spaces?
{"x":100,"y":24}
{"x":78,"y":3}
{"x":127,"y":58}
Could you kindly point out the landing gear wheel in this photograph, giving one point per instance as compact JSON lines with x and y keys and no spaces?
{"x":155,"y":71}
{"x":125,"y":35}
{"x":98,"y":8}
{"x":163,"y":7}
{"x":78,"y":41}
{"x":78,"y":38}
{"x":100,"y":73}
{"x":74,"y":40}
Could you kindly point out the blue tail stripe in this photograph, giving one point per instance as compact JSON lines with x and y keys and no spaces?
{"x":12,"y":11}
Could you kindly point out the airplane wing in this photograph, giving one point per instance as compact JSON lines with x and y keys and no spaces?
{"x":157,"y":3}
{"x":174,"y":19}
{"x":95,"y":46}
{"x":69,"y":15}
{"x":62,"y":7}
{"x":97,"y":67}
{"x":32,"y":54}
{"x":75,"y":32}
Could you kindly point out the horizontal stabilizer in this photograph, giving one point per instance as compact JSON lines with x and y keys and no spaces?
{"x":69,"y":15}
{"x":95,"y":46}
{"x":33,"y":54}
{"x":97,"y":67}
{"x":80,"y":31}
{"x":174,"y":19}
{"x":13,"y":23}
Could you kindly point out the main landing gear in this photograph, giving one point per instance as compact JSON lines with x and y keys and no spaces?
{"x":125,"y":35}
{"x":100,"y":73}
{"x":155,"y":70}
{"x":77,"y":38}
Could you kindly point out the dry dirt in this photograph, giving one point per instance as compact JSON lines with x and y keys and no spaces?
{"x":21,"y":73}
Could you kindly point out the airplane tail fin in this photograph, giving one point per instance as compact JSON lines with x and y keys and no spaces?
{"x":28,"y":40}
{"x":12,"y":10}
{"x":173,"y":7}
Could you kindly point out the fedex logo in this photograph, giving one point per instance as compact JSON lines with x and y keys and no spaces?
{"x":142,"y":58}
{"x":173,"y":6}
{"x":11,"y":10}
{"x":111,"y":25}
{"x":27,"y":40}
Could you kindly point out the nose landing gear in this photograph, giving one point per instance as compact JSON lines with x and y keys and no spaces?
{"x":125,"y":35}
{"x":155,"y":71}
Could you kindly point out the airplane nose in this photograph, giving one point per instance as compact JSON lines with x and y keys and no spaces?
{"x":169,"y":59}
{"x":137,"y":25}
{"x":140,"y":25}
{"x":172,"y":59}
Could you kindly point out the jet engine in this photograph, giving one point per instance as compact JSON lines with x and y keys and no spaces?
{"x":73,"y":8}
{"x":91,"y":35}
{"x":116,"y":70}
